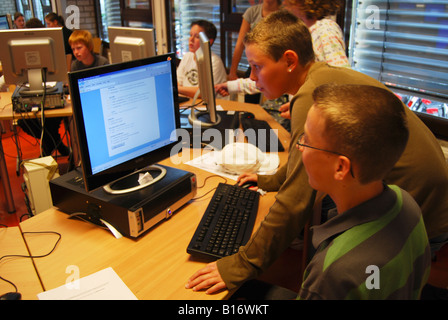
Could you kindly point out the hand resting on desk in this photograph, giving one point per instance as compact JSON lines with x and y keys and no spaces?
{"x":207,"y":277}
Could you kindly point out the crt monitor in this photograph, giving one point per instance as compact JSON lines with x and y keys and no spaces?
{"x":125,"y":114}
{"x":128,"y":43}
{"x":206,"y":86}
{"x":32,"y":57}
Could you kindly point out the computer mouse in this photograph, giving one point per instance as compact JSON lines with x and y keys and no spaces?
{"x":247,"y":115}
{"x":249,"y":184}
{"x":11,"y":296}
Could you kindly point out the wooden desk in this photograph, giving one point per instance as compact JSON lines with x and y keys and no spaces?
{"x":18,"y":270}
{"x":154,"y":266}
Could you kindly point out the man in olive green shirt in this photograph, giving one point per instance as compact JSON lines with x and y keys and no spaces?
{"x":421,"y":171}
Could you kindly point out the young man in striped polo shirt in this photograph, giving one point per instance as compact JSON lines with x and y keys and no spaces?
{"x":376,"y":246}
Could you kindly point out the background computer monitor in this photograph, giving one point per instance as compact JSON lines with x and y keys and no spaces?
{"x":33,"y":56}
{"x":5,"y":22}
{"x":125,"y":115}
{"x":128,"y":43}
{"x":206,"y":86}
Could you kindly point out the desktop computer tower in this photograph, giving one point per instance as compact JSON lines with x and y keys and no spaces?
{"x":131,"y":214}
{"x":37,"y":174}
{"x":26,"y":103}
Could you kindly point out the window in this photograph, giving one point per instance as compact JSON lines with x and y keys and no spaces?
{"x":185,"y":12}
{"x":232,"y":16}
{"x":137,"y":14}
{"x":34,"y":8}
{"x":110,"y":17}
{"x":226,"y":15}
{"x":404,"y":44}
{"x":134,"y":13}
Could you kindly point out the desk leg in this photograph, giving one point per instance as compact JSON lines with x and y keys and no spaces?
{"x":5,"y":181}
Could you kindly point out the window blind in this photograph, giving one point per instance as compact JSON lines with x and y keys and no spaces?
{"x":185,"y":12}
{"x":403,"y":44}
{"x":110,"y":16}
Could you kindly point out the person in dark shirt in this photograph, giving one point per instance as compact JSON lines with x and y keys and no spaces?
{"x":81,"y":43}
{"x":34,"y":23}
{"x":54,"y":21}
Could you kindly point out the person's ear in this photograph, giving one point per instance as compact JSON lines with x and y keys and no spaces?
{"x":343,"y":168}
{"x":291,"y":59}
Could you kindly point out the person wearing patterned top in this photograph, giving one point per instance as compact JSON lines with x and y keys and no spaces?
{"x":326,"y":35}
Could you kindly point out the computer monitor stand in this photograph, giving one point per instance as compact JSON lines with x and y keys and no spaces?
{"x":216,"y":135}
{"x":203,"y":118}
{"x":136,"y":180}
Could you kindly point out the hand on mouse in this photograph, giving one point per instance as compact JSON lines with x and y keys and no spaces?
{"x":248,"y":177}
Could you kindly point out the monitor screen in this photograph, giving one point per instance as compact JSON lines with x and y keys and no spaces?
{"x":4,"y":23}
{"x":206,"y":85}
{"x":125,"y":115}
{"x":33,"y":57}
{"x":128,"y":44}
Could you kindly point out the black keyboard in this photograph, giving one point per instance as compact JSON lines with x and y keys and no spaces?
{"x":227,"y":223}
{"x":263,"y":134}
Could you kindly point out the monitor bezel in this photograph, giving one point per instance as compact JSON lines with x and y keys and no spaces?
{"x":57,"y":38}
{"x":146,"y":34}
{"x":206,"y":86}
{"x":94,"y":181}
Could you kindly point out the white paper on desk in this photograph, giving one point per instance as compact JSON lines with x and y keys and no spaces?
{"x":101,"y":285}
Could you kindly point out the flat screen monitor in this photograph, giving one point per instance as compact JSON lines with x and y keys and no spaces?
{"x":128,"y":43}
{"x":5,"y":22}
{"x":32,"y":57}
{"x":206,"y":86}
{"x":125,"y":115}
